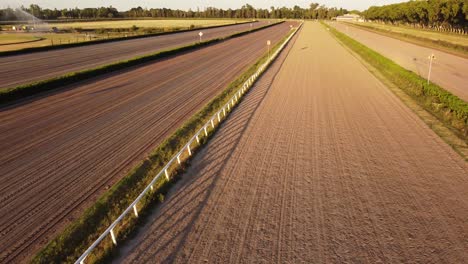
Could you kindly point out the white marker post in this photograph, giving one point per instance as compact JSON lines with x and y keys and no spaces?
{"x":431,"y":58}
{"x":200,"y":34}
{"x":268,"y":45}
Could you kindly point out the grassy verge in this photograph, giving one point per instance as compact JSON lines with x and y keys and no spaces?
{"x":449,"y":47}
{"x":92,"y":42}
{"x":75,"y":239}
{"x":446,"y":107}
{"x":11,"y":94}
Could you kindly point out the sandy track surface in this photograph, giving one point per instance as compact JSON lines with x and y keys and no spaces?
{"x":319,"y":165}
{"x":448,"y":71}
{"x":60,"y":151}
{"x":22,"y":69}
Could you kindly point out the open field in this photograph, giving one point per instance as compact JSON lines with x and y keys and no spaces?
{"x":167,"y":23}
{"x":448,"y":71}
{"x":420,"y":33}
{"x":62,"y":150}
{"x":9,"y":39}
{"x":49,"y":39}
{"x":44,"y":65}
{"x":319,"y":163}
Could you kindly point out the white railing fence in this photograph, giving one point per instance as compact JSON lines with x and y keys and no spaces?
{"x":212,"y":123}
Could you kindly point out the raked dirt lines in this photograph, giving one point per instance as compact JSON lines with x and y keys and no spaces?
{"x":61,"y":150}
{"x":320,"y":163}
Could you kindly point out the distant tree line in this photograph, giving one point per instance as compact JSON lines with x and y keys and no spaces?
{"x":314,"y":11}
{"x":442,"y":15}
{"x":10,"y":14}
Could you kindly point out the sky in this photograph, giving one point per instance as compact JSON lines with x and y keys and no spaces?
{"x":123,"y":5}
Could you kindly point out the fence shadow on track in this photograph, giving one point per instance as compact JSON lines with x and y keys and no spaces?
{"x":192,"y":193}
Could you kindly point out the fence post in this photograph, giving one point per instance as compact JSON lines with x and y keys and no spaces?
{"x":206,"y":133}
{"x":189,"y":151}
{"x":178,"y":159}
{"x":135,"y":209}
{"x":198,"y":140}
{"x":219,"y":118}
{"x":113,"y":237}
{"x":167,"y":174}
{"x":212,"y":123}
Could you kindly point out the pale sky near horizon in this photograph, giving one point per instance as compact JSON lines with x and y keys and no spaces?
{"x":123,"y":5}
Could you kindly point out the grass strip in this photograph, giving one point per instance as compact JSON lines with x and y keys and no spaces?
{"x":23,"y":42}
{"x":448,"y":108}
{"x":9,"y":95}
{"x":456,"y":49}
{"x":99,"y":41}
{"x":75,"y":239}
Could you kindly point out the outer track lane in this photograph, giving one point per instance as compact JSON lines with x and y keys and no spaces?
{"x":448,"y":71}
{"x":27,"y":68}
{"x":59,"y":152}
{"x":320,"y":163}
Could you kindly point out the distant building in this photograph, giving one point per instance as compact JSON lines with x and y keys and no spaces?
{"x":350,"y":18}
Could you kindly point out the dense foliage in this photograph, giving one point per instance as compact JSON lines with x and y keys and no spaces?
{"x":314,"y":11}
{"x":440,"y":14}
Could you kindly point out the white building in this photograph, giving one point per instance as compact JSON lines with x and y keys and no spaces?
{"x":350,"y":18}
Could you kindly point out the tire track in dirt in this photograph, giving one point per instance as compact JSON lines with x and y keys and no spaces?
{"x":325,"y":165}
{"x":61,"y":150}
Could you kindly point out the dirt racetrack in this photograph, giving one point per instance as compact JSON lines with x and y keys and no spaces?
{"x":319,"y":164}
{"x":60,"y":150}
{"x":22,"y":69}
{"x":448,"y":71}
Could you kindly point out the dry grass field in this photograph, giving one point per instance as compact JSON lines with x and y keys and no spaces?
{"x":8,"y":39}
{"x":449,"y":71}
